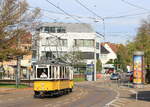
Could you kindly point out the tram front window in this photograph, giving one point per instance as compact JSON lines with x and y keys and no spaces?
{"x":42,"y":72}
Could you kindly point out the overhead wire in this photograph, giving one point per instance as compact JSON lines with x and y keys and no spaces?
{"x":63,"y":11}
{"x":124,"y":16}
{"x":136,"y":6}
{"x":93,"y":14}
{"x":89,"y":17}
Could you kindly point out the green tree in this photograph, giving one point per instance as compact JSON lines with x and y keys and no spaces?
{"x":98,"y":66}
{"x":15,"y":21}
{"x":122,"y":58}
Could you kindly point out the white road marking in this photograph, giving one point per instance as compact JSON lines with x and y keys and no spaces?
{"x":118,"y":103}
{"x":114,"y":105}
{"x":133,"y":91}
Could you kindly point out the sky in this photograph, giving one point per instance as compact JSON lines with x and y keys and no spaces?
{"x":117,"y":30}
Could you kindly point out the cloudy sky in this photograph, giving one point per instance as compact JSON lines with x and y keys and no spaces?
{"x":122,"y":19}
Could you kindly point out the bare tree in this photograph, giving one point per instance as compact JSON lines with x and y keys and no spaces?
{"x":15,"y":21}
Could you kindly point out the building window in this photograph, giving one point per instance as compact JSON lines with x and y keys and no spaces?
{"x":84,"y":42}
{"x":97,"y":45}
{"x":54,"y":30}
{"x":34,"y":54}
{"x":61,"y":30}
{"x":97,"y":55}
{"x":87,"y":55}
{"x":63,"y":42}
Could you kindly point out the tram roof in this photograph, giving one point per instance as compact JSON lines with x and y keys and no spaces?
{"x":53,"y":62}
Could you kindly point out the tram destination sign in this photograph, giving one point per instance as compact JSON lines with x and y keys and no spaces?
{"x":42,"y":65}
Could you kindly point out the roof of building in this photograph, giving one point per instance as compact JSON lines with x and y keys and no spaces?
{"x":104,"y":50}
{"x":72,"y":27}
{"x":113,"y":46}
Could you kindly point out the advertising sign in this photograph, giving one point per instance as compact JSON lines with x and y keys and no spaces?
{"x":138,"y":69}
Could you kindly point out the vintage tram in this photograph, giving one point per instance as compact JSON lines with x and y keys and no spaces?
{"x":52,"y":78}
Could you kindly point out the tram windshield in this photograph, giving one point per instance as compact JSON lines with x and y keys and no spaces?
{"x":42,"y":72}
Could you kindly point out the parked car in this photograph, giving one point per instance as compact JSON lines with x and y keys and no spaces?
{"x":129,"y":73}
{"x":115,"y":76}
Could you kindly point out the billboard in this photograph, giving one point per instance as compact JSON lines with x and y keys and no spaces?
{"x":137,"y":69}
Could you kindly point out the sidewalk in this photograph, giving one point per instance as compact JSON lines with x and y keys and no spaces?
{"x":5,"y":89}
{"x":127,"y":95}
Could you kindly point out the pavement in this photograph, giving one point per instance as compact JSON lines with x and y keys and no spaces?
{"x":5,"y":89}
{"x":128,"y":96}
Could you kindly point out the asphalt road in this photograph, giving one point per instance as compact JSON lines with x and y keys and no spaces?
{"x":86,"y":94}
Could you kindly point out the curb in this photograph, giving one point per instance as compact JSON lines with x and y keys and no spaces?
{"x":15,"y":89}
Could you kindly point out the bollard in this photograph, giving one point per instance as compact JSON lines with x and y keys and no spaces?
{"x":136,"y":96}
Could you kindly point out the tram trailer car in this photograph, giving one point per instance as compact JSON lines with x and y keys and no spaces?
{"x":52,"y":79}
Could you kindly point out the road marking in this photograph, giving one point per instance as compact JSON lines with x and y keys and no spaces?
{"x":118,"y":103}
{"x":116,"y":98}
{"x":123,"y":101}
{"x":114,"y":105}
{"x":133,"y":91}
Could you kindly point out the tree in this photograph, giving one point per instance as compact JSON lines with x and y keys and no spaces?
{"x":74,"y":58}
{"x":98,"y":66}
{"x":122,"y":58}
{"x":15,"y":21}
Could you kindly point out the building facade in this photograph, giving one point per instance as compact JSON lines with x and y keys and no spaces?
{"x":56,"y":39}
{"x":108,"y":54}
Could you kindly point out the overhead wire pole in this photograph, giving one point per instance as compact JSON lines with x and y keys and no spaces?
{"x":103,"y":32}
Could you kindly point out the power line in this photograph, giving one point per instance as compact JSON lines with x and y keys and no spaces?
{"x":93,"y":13}
{"x":124,"y":16}
{"x":91,"y":18}
{"x":89,"y":9}
{"x":63,"y":11}
{"x":71,"y":15}
{"x":136,"y":6}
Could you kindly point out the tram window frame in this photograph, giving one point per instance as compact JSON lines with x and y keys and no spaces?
{"x":63,"y":72}
{"x":60,"y":74}
{"x":39,"y":74}
{"x":50,"y":72}
{"x":56,"y":72}
{"x":67,"y":71}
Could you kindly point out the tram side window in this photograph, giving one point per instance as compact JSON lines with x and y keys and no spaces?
{"x":56,"y":71}
{"x":34,"y":72}
{"x":67,"y":72}
{"x":50,"y":72}
{"x":42,"y":72}
{"x":63,"y":72}
{"x":60,"y":72}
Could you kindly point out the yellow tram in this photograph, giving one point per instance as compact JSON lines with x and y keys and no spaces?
{"x":52,"y":78}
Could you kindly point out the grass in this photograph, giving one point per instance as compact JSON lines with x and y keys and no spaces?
{"x":12,"y":85}
{"x":79,"y":79}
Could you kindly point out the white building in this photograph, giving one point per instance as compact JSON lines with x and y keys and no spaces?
{"x":108,"y":52}
{"x":65,"y":37}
